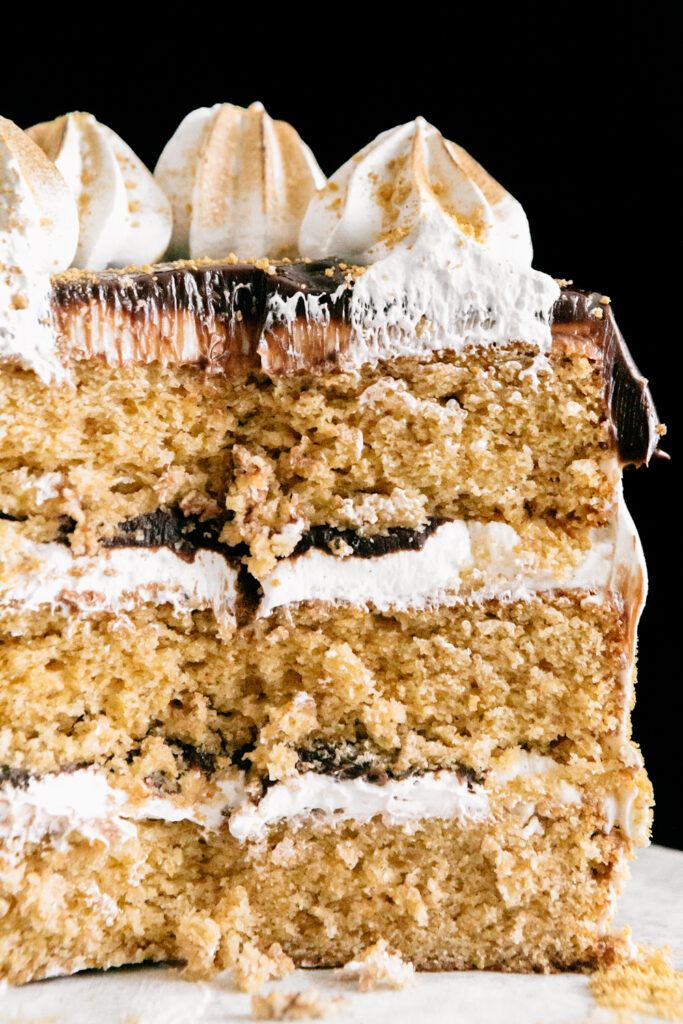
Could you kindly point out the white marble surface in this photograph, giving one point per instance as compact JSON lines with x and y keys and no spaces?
{"x":652,"y":904}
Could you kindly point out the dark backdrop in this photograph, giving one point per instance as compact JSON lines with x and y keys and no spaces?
{"x":571,"y":107}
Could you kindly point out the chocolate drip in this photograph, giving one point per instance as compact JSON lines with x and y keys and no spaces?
{"x":218,"y":290}
{"x":632,"y":409}
{"x":237,"y":310}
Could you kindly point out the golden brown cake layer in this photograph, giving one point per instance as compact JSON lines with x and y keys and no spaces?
{"x":414,"y":689}
{"x":391,"y":445}
{"x":495,"y":895}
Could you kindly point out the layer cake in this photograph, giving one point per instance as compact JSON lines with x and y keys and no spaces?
{"x":318,"y":594}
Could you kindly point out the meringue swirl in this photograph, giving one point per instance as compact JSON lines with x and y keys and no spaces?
{"x":447,"y":250}
{"x":38,"y":234}
{"x":124,"y":217}
{"x":238,"y":182}
{"x":382,"y":196}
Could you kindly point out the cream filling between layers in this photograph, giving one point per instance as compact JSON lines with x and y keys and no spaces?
{"x":118,"y":579}
{"x":459,"y":560}
{"x":84,"y":801}
{"x":490,"y":556}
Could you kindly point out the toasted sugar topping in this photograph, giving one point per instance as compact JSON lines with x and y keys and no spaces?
{"x":237,"y":180}
{"x":378,"y":966}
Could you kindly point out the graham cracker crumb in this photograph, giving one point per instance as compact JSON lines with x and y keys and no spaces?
{"x":597,"y":313}
{"x":198,"y":938}
{"x":378,"y":966}
{"x":646,"y":984}
{"x":307,"y":1005}
{"x":254,"y":968}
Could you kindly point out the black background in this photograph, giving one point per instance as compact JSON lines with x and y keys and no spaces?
{"x":572,"y":107}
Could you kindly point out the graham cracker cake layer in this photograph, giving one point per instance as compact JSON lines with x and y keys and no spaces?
{"x":421,"y":688}
{"x":476,"y":435}
{"x":521,"y":892}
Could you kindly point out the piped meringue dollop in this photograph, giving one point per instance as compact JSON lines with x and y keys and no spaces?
{"x":38,"y":235}
{"x":124,"y":217}
{"x":238,"y":182}
{"x":448,"y":249}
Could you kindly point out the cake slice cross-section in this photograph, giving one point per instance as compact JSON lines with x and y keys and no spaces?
{"x":318,"y":592}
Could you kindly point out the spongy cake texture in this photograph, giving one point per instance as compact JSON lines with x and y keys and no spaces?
{"x":187,"y":771}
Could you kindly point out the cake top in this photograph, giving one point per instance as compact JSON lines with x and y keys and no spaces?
{"x":238,"y":182}
{"x":445,"y":251}
{"x":410,"y":248}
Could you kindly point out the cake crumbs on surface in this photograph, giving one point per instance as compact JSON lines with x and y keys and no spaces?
{"x":306,"y":1005}
{"x":605,"y":300}
{"x":564,"y":282}
{"x":597,"y":313}
{"x":378,"y":966}
{"x":254,"y":968}
{"x":646,"y":984}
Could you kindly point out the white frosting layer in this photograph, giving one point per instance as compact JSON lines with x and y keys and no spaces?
{"x":490,"y":553}
{"x":237,"y":181}
{"x":448,"y":249}
{"x":488,"y":557}
{"x":440,"y":794}
{"x":119,"y":579}
{"x":38,"y":234}
{"x":124,"y":217}
{"x":85,"y":801}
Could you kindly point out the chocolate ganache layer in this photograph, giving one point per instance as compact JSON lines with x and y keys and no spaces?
{"x":186,"y":534}
{"x":282,"y":317}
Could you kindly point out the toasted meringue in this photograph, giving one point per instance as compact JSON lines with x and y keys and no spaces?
{"x":448,"y":250}
{"x":38,"y":235}
{"x":379,"y":198}
{"x":35,"y":199}
{"x":124,"y":216}
{"x":238,"y":182}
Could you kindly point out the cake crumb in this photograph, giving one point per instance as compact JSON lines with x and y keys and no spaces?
{"x":378,"y":966}
{"x":306,"y":1005}
{"x":254,"y":968}
{"x":647,"y":984}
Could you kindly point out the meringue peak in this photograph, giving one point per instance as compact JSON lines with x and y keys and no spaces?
{"x":238,"y":181}
{"x":38,"y":235}
{"x":381,"y":197}
{"x":124,"y":216}
{"x":35,"y":198}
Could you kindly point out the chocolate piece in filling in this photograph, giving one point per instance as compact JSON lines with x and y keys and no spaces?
{"x":346,"y":760}
{"x":187,"y":534}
